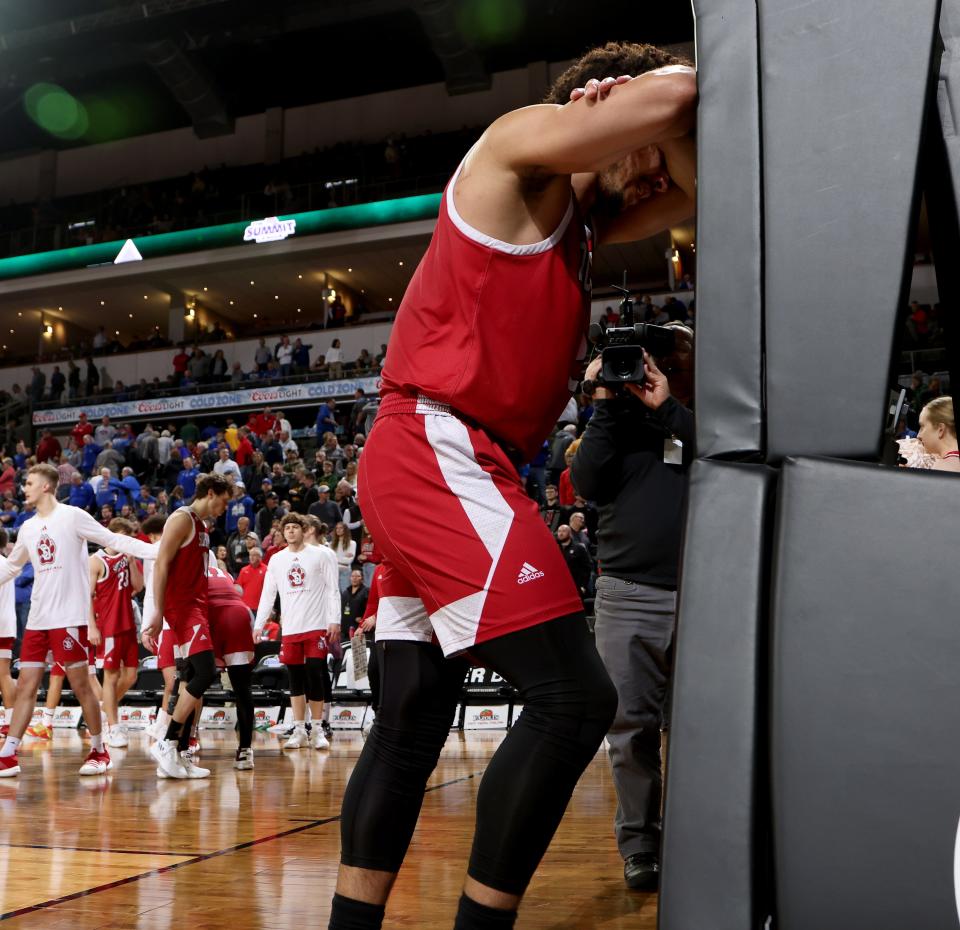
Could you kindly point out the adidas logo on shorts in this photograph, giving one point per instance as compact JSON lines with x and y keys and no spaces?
{"x":528,"y":573}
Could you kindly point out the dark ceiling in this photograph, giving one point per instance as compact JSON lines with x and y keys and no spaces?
{"x":141,"y":66}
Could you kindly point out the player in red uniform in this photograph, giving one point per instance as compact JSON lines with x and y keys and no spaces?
{"x":180,"y":597}
{"x":166,"y":661}
{"x":488,"y":343}
{"x":231,"y":628}
{"x":8,"y":637}
{"x":114,"y":579}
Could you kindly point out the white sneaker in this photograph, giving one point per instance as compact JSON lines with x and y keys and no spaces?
{"x":193,"y":771}
{"x":117,"y":738}
{"x":157,"y":730}
{"x":299,"y":740}
{"x":319,"y":740}
{"x":168,"y":759}
{"x":244,"y":760}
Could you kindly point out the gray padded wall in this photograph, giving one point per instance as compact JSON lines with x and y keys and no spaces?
{"x":843,"y":86}
{"x":729,"y":330}
{"x":866,"y":706}
{"x":713,"y":874}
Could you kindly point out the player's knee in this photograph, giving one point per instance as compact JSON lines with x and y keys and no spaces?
{"x":316,"y":679}
{"x":298,"y":680}
{"x":580,"y":711}
{"x":204,"y":672}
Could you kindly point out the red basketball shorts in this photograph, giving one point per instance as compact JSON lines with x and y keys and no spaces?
{"x":467,"y":557}
{"x":232,"y":634}
{"x":166,"y":647}
{"x":296,"y":649}
{"x":120,"y":650}
{"x":65,"y":647}
{"x":190,"y":628}
{"x":6,"y":647}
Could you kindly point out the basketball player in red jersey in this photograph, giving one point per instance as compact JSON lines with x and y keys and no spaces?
{"x":180,"y":597}
{"x":488,"y":344}
{"x":231,"y":629}
{"x":114,"y":579}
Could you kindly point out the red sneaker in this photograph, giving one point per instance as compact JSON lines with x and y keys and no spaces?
{"x":9,"y":766}
{"x":97,"y":763}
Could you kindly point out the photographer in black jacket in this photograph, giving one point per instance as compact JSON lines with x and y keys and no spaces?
{"x":633,"y":461}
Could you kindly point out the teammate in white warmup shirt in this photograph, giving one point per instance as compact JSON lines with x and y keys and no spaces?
{"x":8,"y":636}
{"x":55,"y":541}
{"x":306,"y":578}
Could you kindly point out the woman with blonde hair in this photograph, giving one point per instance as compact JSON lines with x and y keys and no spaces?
{"x":938,"y":433}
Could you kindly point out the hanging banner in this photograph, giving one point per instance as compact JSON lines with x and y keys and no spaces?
{"x":223,"y":400}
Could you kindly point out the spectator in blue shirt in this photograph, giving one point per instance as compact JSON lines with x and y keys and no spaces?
{"x":128,"y":481}
{"x":23,"y":516}
{"x":81,"y":494}
{"x":90,"y":452}
{"x":240,"y":506}
{"x":187,"y":479}
{"x":8,"y":513}
{"x":144,"y":498}
{"x":326,"y":418}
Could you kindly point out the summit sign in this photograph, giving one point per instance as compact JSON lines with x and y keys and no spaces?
{"x":270,"y":229}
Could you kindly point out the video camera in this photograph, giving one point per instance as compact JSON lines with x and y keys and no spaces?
{"x":621,"y":347}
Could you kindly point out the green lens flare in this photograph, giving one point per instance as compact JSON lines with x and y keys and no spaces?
{"x":490,"y":21}
{"x":56,"y":111}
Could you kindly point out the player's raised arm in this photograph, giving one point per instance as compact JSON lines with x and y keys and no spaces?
{"x":590,"y":135}
{"x":89,"y":529}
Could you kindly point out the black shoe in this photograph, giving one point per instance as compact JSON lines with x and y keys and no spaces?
{"x":641,"y":871}
{"x":327,"y":729}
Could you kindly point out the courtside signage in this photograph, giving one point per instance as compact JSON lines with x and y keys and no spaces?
{"x":269,"y":230}
{"x":161,"y":406}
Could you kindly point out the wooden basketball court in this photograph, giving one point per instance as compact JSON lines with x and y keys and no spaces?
{"x":259,"y":850}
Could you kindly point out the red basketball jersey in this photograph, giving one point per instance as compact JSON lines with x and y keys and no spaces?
{"x":187,"y":578}
{"x":495,"y":330}
{"x":222,"y":590}
{"x":112,"y":594}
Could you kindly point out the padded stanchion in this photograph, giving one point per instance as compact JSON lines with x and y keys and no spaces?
{"x":714,"y":853}
{"x":840,"y":140}
{"x":729,"y":330}
{"x":866,"y":647}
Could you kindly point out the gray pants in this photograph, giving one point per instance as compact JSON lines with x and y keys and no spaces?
{"x":634,"y":632}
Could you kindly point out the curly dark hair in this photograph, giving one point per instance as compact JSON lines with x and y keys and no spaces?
{"x":610,"y":60}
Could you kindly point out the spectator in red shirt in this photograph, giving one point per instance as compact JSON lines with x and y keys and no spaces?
{"x":81,"y":429}
{"x":244,"y":450}
{"x":180,"y":362}
{"x":567,"y":493}
{"x":48,"y":447}
{"x":262,"y":423}
{"x":368,"y":557}
{"x":251,"y":578}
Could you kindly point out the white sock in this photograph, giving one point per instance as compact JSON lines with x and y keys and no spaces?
{"x":96,"y":742}
{"x":299,"y":725}
{"x":48,"y":717}
{"x":9,"y":747}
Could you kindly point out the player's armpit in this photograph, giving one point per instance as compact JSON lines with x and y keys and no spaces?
{"x":646,"y":218}
{"x":590,"y":135}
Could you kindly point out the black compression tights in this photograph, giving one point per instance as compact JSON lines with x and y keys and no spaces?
{"x":568,"y":706}
{"x":241,"y":678}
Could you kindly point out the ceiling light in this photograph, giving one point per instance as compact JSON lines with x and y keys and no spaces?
{"x":103,"y":303}
{"x":298,"y":309}
{"x":130,"y":315}
{"x":48,"y":330}
{"x":204,"y":288}
{"x":390,"y":299}
{"x":300,"y":276}
{"x":116,"y":332}
{"x":11,"y":331}
{"x":144,"y":296}
{"x":400,"y":264}
{"x":19,"y":313}
{"x":253,"y":282}
{"x":231,"y":303}
{"x":254,"y":316}
{"x":349,"y":269}
{"x":60,"y":309}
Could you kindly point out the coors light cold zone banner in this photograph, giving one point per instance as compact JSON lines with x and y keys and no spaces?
{"x":224,"y":400}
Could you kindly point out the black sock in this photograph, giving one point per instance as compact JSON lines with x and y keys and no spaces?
{"x":474,"y":916}
{"x":173,"y":730}
{"x":347,"y":914}
{"x":187,"y":732}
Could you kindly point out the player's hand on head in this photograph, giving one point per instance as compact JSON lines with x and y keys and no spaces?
{"x":597,"y":89}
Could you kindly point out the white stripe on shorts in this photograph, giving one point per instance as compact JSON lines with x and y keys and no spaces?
{"x":490,"y":515}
